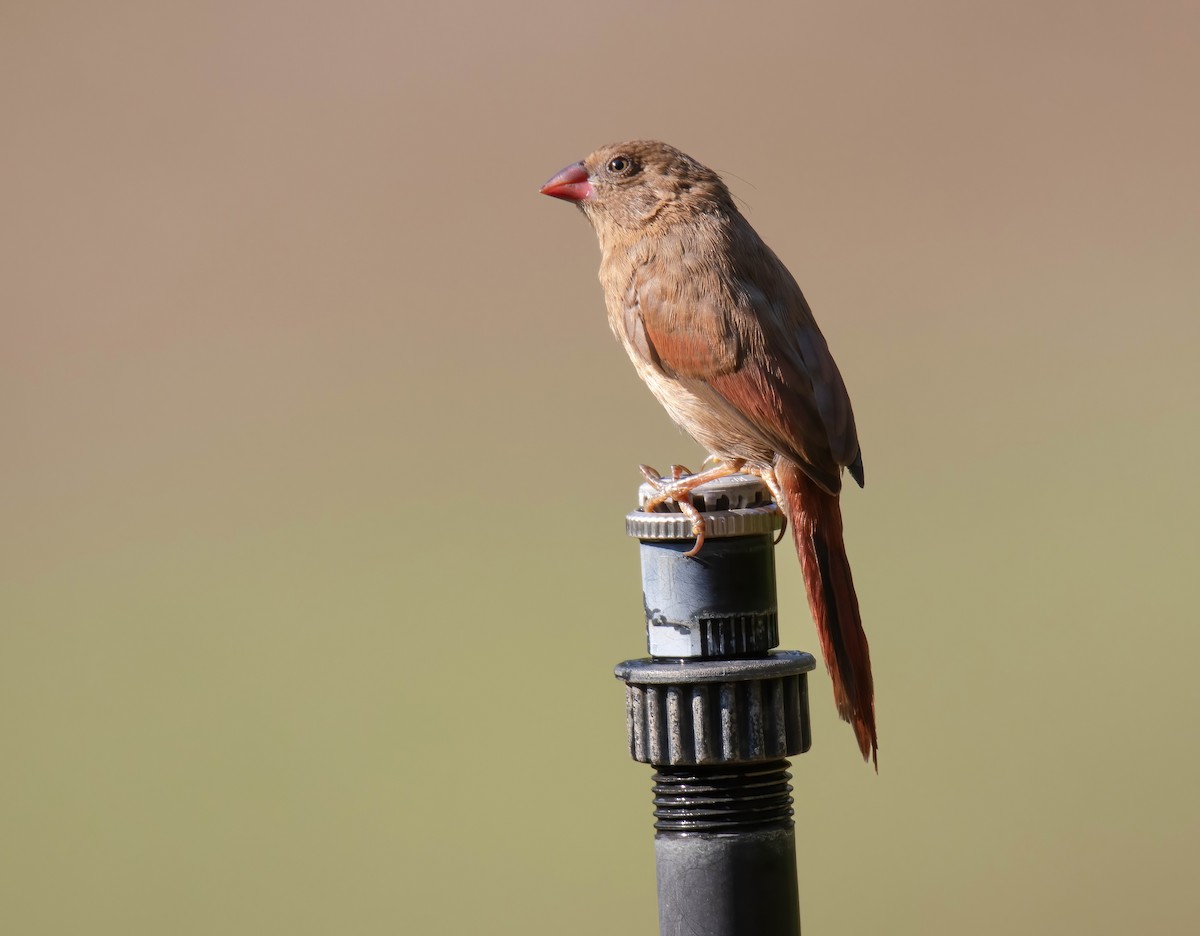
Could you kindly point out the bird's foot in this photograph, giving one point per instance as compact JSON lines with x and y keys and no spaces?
{"x":678,"y":491}
{"x":767,"y":477}
{"x":677,"y":472}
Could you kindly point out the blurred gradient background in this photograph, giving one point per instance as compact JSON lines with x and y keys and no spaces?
{"x":316,"y":449}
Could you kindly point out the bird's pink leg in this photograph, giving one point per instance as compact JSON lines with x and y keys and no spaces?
{"x":679,"y":491}
{"x":688,"y":509}
{"x":767,"y":477}
{"x":676,"y":488}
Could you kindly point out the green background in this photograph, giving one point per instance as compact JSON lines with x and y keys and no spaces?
{"x":316,"y":449}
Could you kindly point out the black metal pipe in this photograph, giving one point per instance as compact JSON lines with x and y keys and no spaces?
{"x":725,"y":849}
{"x":716,"y":710}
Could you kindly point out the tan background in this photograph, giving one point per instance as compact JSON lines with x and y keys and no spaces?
{"x":316,"y":448}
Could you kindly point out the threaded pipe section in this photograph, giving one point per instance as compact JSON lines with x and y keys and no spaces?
{"x":727,"y":799}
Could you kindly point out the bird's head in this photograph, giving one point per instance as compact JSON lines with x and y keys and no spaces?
{"x":625,"y":187}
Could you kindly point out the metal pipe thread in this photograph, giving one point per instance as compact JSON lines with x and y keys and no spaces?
{"x":725,"y":799}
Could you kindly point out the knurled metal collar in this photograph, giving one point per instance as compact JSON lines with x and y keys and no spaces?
{"x":739,"y":505}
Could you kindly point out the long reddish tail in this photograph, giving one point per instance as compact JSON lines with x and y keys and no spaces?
{"x":816,"y":519}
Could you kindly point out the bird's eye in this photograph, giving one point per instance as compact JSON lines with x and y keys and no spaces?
{"x":619,"y":165}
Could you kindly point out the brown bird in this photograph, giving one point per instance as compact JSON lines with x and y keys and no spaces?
{"x":718,"y":329}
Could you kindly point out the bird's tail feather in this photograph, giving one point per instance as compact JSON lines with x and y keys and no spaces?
{"x":816,"y":519}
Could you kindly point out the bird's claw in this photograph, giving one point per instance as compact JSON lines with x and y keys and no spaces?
{"x":678,"y":491}
{"x":677,"y":472}
{"x":688,"y":509}
{"x":767,"y":477}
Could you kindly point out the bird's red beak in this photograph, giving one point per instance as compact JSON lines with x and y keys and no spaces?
{"x":571,"y":184}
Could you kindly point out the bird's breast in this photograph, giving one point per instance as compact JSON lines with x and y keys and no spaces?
{"x":690,"y":402}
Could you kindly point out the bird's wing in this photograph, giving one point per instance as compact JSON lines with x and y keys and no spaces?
{"x":749,"y":336}
{"x":678,"y":327}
